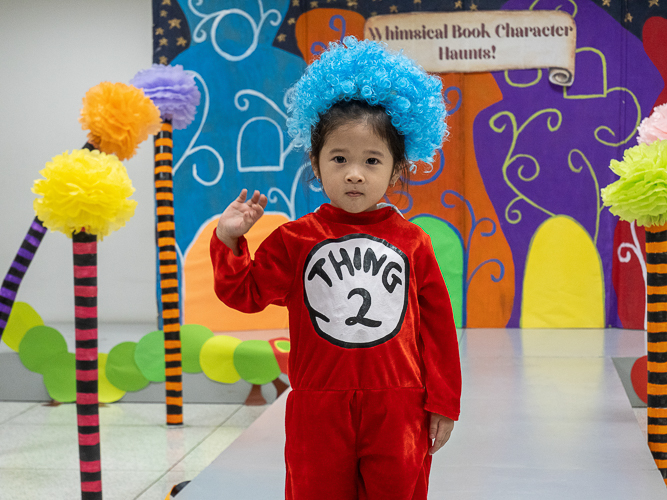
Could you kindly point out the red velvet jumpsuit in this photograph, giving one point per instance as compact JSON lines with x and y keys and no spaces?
{"x":373,"y":348}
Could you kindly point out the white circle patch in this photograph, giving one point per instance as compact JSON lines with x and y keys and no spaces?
{"x":356,"y":290}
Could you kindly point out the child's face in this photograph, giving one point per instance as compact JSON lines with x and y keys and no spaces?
{"x":355,"y":167}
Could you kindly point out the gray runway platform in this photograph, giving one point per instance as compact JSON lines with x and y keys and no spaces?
{"x":544,"y":416}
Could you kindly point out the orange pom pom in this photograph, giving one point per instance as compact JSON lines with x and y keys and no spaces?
{"x":119,"y":117}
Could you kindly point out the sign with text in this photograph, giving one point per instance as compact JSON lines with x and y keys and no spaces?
{"x":468,"y":42}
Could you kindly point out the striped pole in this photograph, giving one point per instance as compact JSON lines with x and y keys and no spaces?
{"x":87,"y":410}
{"x":166,"y":242}
{"x":12,"y":281}
{"x":656,"y":331}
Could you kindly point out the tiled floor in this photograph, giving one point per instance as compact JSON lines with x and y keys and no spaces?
{"x":546,"y":407}
{"x":141,"y":458}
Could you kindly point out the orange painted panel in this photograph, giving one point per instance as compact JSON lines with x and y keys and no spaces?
{"x":321,"y":26}
{"x":200,"y":304}
{"x":489,"y":304}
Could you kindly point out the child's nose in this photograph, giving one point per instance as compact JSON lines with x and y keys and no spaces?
{"x":354,"y":175}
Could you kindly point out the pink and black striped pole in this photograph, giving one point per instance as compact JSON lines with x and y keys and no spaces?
{"x":87,"y":408}
{"x":12,"y":281}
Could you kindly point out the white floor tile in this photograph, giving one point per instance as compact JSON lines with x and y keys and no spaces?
{"x":38,"y":447}
{"x":194,"y":415}
{"x":9,"y":410}
{"x":118,"y":414}
{"x":245,"y":416}
{"x":148,"y":448}
{"x":125,"y":485}
{"x":30,"y":484}
{"x":141,"y":456}
{"x":40,"y":414}
{"x":64,"y":484}
{"x":202,"y":456}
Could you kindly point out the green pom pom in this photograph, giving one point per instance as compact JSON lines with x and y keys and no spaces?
{"x":641,"y":192}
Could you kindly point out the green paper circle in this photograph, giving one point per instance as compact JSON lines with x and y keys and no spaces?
{"x":60,"y":377}
{"x":193,"y":338}
{"x":283,"y":345}
{"x":255,"y":362}
{"x":122,"y":370}
{"x":21,"y":319}
{"x":149,"y":356}
{"x":39,"y":345}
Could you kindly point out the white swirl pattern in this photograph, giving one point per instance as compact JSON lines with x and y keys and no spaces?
{"x":290,"y":201}
{"x":244,"y":106}
{"x":242,"y":100}
{"x":190,"y":150}
{"x":200,"y":35}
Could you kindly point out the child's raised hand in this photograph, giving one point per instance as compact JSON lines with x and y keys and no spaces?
{"x":239,"y":217}
{"x":440,"y":430}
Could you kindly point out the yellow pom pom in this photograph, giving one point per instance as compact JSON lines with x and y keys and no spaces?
{"x":84,"y":190}
{"x":119,"y":118}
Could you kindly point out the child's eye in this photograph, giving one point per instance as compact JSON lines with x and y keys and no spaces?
{"x":339,"y":159}
{"x":372,"y":161}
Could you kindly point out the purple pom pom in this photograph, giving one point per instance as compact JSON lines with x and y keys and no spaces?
{"x":172,"y":90}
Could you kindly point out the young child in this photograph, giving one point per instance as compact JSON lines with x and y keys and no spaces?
{"x":374,"y":364}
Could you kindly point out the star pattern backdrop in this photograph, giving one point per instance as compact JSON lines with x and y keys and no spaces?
{"x":171,"y":33}
{"x":512,"y":200}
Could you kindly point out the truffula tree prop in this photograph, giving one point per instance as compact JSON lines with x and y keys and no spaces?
{"x":84,"y":195}
{"x":175,"y":93}
{"x":641,"y":195}
{"x":118,"y":118}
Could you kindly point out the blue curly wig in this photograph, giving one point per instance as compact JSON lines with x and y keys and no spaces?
{"x":367,"y":71}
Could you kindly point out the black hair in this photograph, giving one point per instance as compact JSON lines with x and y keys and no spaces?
{"x":376,"y":116}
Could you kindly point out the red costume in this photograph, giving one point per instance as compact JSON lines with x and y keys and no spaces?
{"x":373,"y":348}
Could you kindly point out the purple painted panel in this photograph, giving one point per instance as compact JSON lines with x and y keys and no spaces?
{"x":568,"y":139}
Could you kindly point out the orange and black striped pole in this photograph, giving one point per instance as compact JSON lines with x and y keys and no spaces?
{"x":84,"y":246}
{"x":656,"y":313}
{"x":166,"y":242}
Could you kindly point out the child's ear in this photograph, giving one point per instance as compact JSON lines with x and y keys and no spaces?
{"x":394,"y":178}
{"x":314,"y":165}
{"x":398,"y":169}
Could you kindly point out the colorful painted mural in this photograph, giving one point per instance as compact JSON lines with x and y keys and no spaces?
{"x":511,"y":201}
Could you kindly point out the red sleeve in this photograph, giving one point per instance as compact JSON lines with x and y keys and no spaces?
{"x":249,"y":285}
{"x":440,"y":343}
